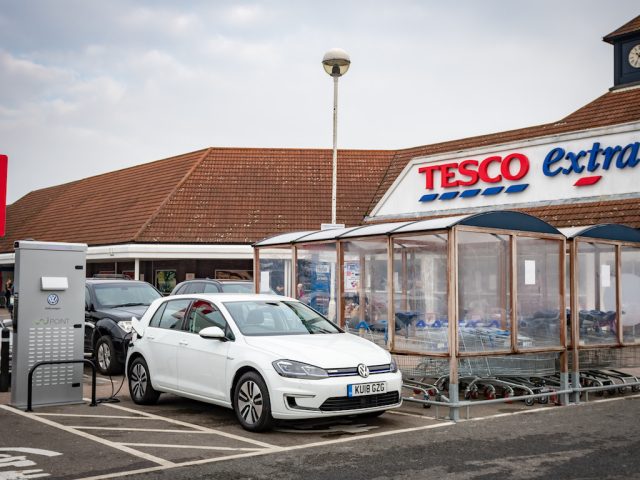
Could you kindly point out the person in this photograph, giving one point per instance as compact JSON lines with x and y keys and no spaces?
{"x":8,"y":294}
{"x":299,"y":291}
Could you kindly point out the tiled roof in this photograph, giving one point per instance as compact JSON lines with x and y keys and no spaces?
{"x":626,"y":29}
{"x":101,"y":210}
{"x":241,"y":195}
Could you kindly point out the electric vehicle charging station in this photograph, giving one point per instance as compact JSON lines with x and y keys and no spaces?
{"x":48,"y":323}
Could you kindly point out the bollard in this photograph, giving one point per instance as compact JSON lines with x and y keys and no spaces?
{"x":4,"y":360}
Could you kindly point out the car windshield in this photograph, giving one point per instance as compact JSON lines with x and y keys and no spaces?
{"x":112,"y":295}
{"x":237,"y":287}
{"x":261,"y":318}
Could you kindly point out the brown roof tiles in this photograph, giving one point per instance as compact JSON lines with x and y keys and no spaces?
{"x":626,"y":29}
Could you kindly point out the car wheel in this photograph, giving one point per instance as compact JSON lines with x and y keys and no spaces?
{"x":105,"y":356}
{"x":140,"y":388}
{"x":252,"y":404}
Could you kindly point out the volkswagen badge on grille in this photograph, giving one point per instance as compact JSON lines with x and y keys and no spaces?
{"x":363,"y":370}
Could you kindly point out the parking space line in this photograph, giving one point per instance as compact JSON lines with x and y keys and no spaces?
{"x":108,"y":443}
{"x":125,"y":417}
{"x":133,"y":429}
{"x":197,"y":447}
{"x":270,"y":451}
{"x":196,"y":427}
{"x":404,"y":414}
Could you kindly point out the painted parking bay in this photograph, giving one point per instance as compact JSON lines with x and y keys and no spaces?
{"x":119,"y":438}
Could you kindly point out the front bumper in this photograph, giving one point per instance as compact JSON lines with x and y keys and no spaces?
{"x":297,"y":399}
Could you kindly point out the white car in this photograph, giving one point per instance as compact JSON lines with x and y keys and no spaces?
{"x":266,"y":356}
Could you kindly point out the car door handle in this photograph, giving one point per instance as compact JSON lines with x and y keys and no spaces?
{"x":149,"y":337}
{"x":182,"y":342}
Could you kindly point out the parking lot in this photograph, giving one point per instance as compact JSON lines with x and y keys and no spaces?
{"x":120,"y":439}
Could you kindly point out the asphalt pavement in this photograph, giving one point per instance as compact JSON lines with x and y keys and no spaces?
{"x":599,"y":440}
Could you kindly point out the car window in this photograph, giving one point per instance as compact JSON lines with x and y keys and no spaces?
{"x":210,"y":288}
{"x":124,"y":294}
{"x":87,"y":298}
{"x":181,"y":289}
{"x":155,"y":320}
{"x":237,"y":287}
{"x":173,"y":314}
{"x":194,"y":287}
{"x":259,"y":318}
{"x":202,"y":315}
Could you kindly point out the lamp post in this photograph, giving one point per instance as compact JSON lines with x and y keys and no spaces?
{"x":336,"y":63}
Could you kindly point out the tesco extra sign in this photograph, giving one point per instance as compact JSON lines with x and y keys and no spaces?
{"x":472,"y":177}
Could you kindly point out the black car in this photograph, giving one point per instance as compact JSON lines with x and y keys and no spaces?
{"x":207,"y":285}
{"x":109,"y":306}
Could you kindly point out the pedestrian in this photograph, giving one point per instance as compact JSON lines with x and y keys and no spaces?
{"x":8,"y":295}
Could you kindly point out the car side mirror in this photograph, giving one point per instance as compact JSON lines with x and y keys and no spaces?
{"x":213,"y":332}
{"x":137,"y":327}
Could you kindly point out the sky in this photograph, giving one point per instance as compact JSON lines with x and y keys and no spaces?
{"x":88,"y":87}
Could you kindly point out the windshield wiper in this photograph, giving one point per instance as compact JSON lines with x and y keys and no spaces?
{"x":132,"y":304}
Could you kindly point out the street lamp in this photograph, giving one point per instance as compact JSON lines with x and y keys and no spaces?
{"x":336,"y":63}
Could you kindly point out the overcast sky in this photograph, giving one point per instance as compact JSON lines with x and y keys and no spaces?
{"x":88,"y":87}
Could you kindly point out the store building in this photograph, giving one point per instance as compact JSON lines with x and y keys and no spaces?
{"x":198,"y":214}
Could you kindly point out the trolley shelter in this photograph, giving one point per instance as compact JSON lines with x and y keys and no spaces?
{"x":494,"y":282}
{"x":605,"y":294}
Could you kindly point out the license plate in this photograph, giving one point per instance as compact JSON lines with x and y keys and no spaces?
{"x":360,"y":389}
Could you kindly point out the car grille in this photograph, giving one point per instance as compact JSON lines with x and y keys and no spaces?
{"x":335,"y":404}
{"x":353,"y":371}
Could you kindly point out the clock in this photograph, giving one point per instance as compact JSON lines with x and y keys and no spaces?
{"x":634,"y":56}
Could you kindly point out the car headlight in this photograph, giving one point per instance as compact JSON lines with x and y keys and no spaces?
{"x":393,"y":366}
{"x":125,"y":325}
{"x":291,"y":369}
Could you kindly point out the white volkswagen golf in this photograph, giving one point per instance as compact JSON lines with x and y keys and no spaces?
{"x":266,"y":356}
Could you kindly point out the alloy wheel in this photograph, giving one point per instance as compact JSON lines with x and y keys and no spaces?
{"x":104,"y":356}
{"x":138,"y":380}
{"x":250,"y":402}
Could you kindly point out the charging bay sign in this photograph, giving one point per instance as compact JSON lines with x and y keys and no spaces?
{"x":560,"y":168}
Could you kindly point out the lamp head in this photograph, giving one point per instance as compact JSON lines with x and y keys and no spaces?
{"x":336,"y":62}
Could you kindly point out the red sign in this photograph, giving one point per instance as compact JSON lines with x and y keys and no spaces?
{"x":4,"y":164}
{"x":469,"y":172}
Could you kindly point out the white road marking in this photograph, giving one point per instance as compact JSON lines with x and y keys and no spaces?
{"x":133,"y":429}
{"x":129,"y":417}
{"x":549,"y":408}
{"x":404,"y":414}
{"x":191,"y":425}
{"x":197,"y":447}
{"x":268,"y":451}
{"x":131,"y":451}
{"x":34,"y":451}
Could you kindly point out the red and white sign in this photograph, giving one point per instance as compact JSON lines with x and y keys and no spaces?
{"x":593,"y":165}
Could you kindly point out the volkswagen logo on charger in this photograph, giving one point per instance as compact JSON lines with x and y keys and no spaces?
{"x":363,"y":370}
{"x":53,"y":299}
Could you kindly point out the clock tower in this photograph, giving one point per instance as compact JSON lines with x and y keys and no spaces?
{"x":626,"y":54}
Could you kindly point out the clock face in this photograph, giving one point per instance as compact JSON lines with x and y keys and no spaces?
{"x":634,"y":57}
